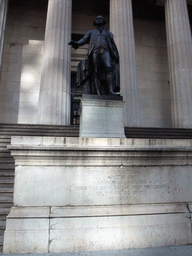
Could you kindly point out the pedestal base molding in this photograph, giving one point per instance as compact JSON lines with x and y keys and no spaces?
{"x":70,"y":229}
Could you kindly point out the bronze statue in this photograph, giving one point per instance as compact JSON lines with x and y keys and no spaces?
{"x":102,"y":63}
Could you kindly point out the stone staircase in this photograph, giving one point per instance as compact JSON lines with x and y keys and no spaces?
{"x":7,"y":165}
{"x":6,"y":182}
{"x":158,"y":133}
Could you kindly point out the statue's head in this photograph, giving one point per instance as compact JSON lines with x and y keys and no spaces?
{"x":99,"y":21}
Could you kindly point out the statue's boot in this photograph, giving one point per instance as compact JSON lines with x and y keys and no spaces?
{"x":109,"y":78}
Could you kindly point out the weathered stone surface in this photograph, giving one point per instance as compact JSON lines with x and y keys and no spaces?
{"x":20,"y":141}
{"x":101,"y":185}
{"x":117,"y":210}
{"x":29,"y":212}
{"x":28,"y":241}
{"x":97,"y":233}
{"x":89,"y":234}
{"x":95,"y":211}
{"x":26,"y":224}
{"x":40,"y":151}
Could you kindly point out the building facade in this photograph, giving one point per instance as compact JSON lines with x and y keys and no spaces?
{"x":38,"y":86}
{"x":38,"y":66}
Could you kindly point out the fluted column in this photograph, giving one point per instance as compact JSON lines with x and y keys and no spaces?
{"x":3,"y":16}
{"x":179,"y":45}
{"x":121,"y":25}
{"x":54,"y":101}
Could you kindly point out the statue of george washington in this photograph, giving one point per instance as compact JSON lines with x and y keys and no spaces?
{"x":103,"y":59}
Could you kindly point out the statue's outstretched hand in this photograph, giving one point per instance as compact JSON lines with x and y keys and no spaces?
{"x":74,"y":44}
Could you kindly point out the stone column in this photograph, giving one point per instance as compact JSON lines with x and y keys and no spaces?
{"x":179,"y":45}
{"x":3,"y":16}
{"x":121,"y":25}
{"x":55,"y":92}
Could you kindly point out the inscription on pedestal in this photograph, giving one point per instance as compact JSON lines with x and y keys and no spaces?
{"x":102,"y":185}
{"x":124,"y":185}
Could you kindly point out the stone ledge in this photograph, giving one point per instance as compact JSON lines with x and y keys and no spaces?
{"x":96,"y":211}
{"x":29,"y":212}
{"x":99,"y":142}
{"x":31,"y":155}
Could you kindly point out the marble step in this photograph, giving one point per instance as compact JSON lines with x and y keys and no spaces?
{"x":6,"y":204}
{"x":24,"y":126}
{"x":158,"y":133}
{"x":9,"y":181}
{"x":7,"y":166}
{"x":38,"y":128}
{"x":73,"y":131}
{"x":5,"y":140}
{"x":7,"y":173}
{"x":5,"y":155}
{"x":3,"y":144}
{"x":6,"y":186}
{"x":4,"y":150}
{"x":6,"y":198}
{"x":6,"y":159}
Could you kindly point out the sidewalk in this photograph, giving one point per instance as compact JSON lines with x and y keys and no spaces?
{"x":162,"y":251}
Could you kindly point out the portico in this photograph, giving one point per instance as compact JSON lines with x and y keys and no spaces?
{"x":121,"y":24}
{"x":53,"y":95}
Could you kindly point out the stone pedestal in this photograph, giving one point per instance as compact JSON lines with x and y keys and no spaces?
{"x":101,"y":117}
{"x":90,"y":194}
